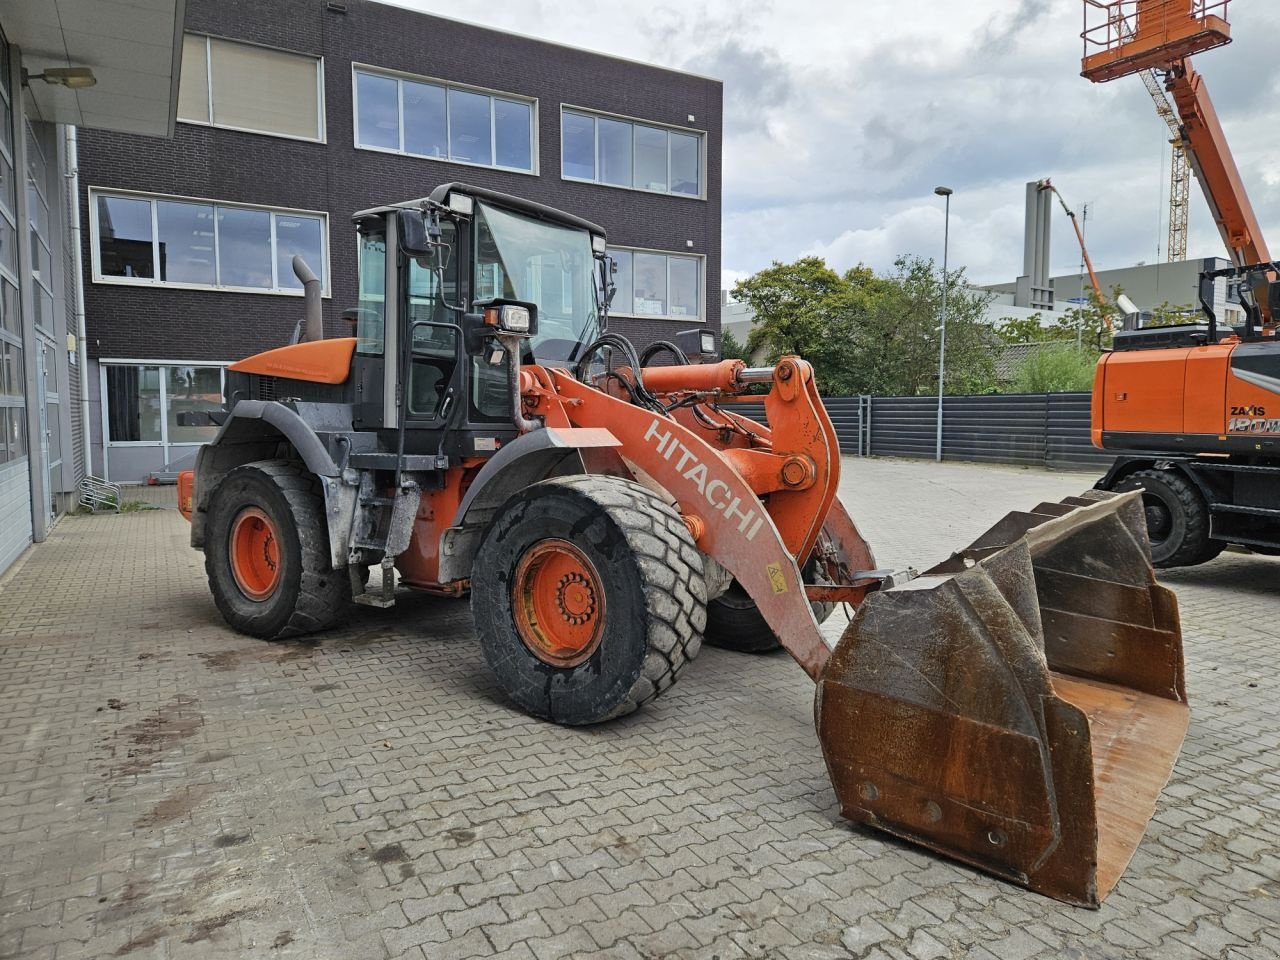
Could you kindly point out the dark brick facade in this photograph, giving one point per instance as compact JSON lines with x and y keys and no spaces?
{"x":219,"y":164}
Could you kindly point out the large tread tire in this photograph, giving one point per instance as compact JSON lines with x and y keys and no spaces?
{"x":1177,"y":518}
{"x":310,"y":595}
{"x":734,"y":621}
{"x":654,"y":597}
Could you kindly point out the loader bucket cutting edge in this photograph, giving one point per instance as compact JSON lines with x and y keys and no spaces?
{"x":1020,"y":706}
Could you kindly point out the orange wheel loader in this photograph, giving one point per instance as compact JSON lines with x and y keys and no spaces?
{"x":1019,"y":707}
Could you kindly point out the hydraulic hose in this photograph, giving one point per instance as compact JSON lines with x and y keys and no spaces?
{"x":658,"y":346}
{"x":628,"y":350}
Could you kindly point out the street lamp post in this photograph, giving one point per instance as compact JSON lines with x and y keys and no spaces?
{"x":944,"y":192}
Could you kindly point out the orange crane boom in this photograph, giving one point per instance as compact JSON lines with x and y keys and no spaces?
{"x":1084,"y":251}
{"x":1215,"y":168}
{"x":1123,"y":37}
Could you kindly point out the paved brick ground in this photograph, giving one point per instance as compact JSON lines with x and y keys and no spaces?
{"x":171,"y":789}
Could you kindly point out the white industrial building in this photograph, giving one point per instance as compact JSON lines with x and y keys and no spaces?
{"x":63,"y":64}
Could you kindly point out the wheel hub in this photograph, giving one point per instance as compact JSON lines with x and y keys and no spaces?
{"x":255,"y":554}
{"x":575,"y":598}
{"x":1159,"y":520}
{"x":558,"y":603}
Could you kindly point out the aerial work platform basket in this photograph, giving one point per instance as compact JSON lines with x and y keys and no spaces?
{"x":1122,"y":37}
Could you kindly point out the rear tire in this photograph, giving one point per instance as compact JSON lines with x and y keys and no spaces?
{"x":734,"y":621}
{"x":1177,"y":518}
{"x":280,"y":583}
{"x":588,"y":597}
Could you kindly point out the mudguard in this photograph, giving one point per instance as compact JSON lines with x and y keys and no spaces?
{"x":252,"y":431}
{"x":534,"y":456}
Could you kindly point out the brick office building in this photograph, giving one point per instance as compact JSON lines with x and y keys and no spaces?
{"x":294,"y":114}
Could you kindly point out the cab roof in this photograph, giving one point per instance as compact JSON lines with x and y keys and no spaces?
{"x":529,"y":207}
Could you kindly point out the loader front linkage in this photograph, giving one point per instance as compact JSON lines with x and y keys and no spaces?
{"x":1018,"y":707}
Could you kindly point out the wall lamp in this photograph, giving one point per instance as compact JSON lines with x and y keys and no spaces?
{"x":74,"y":78}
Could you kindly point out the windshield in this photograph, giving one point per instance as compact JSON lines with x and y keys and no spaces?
{"x":521,"y":258}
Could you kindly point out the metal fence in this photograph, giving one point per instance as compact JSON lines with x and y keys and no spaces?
{"x":1037,"y":429}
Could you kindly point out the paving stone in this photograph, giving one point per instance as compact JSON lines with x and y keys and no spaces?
{"x":370,"y":793}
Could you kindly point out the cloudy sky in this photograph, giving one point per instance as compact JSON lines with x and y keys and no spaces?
{"x":841,"y":118}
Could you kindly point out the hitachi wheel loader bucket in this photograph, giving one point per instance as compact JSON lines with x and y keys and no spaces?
{"x":1020,"y":706}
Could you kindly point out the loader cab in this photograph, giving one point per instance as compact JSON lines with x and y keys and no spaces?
{"x":428,"y":271}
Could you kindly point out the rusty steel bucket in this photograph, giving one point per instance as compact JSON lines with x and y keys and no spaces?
{"x":1020,"y":706}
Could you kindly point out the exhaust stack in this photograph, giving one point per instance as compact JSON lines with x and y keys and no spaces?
{"x":312,"y":319}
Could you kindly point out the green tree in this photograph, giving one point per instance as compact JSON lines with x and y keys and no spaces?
{"x":789,"y":301}
{"x":1056,"y":368}
{"x":1168,"y":315}
{"x":1092,"y":324}
{"x":870,"y":333}
{"x":1023,"y":329}
{"x":730,"y":347}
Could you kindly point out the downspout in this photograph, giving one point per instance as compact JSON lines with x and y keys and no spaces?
{"x":72,"y":177}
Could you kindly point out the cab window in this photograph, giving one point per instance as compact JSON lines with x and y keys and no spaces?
{"x":434,"y":349}
{"x":371,"y":308}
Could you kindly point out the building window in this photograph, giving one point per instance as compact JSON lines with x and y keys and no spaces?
{"x":443,"y":122}
{"x":38,"y":216}
{"x":203,"y":244}
{"x":144,"y":403}
{"x":639,"y":156}
{"x":246,"y":87}
{"x":656,"y":285}
{"x":13,"y":415}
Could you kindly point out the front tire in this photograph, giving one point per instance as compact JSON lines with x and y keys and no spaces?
{"x":267,"y":552}
{"x":588,"y":597}
{"x":1177,"y":518}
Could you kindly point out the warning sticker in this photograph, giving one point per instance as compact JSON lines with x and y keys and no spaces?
{"x":776,"y":579}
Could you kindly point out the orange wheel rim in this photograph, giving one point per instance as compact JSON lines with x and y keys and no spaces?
{"x":255,"y":554}
{"x":558,"y":603}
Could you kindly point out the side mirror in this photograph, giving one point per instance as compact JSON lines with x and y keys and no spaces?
{"x":414,"y":233}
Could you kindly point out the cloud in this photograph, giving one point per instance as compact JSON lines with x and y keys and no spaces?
{"x":841,"y":118}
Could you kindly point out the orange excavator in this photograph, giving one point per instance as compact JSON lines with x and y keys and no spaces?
{"x":1018,"y":707}
{"x":1194,"y":407}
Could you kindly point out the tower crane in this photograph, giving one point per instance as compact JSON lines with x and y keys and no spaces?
{"x":1179,"y":168}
